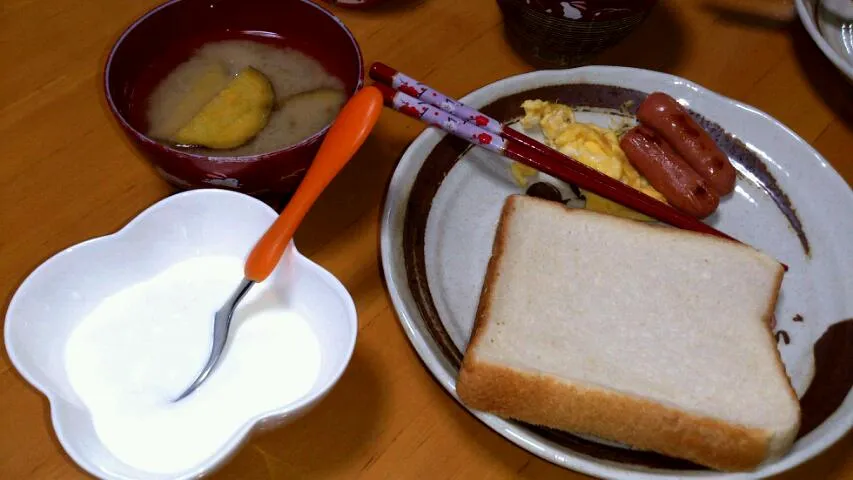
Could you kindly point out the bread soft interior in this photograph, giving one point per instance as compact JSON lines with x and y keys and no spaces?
{"x":652,"y":312}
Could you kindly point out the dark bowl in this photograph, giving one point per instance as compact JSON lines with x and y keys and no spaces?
{"x":355,"y":3}
{"x":561,"y":34}
{"x":167,"y":35}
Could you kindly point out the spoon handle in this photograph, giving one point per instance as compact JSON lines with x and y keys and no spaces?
{"x":345,"y":137}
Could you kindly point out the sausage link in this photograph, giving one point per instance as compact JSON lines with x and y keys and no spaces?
{"x":667,"y":118}
{"x":668,"y":173}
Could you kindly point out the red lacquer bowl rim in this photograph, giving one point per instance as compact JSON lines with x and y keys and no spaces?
{"x":220,"y":159}
{"x":355,"y":6}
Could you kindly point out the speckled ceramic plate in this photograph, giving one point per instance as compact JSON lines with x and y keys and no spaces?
{"x":832,"y":34}
{"x":443,"y":206}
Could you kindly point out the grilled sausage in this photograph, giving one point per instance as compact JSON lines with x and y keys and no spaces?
{"x":667,"y":118}
{"x":668,"y":173}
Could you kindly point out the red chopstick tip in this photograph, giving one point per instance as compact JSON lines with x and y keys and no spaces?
{"x":387,"y":92}
{"x":381,"y":72}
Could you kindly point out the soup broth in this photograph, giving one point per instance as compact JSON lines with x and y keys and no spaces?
{"x":307,"y":97}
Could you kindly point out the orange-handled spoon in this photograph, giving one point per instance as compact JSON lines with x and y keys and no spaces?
{"x":346,"y":135}
{"x":348,"y":132}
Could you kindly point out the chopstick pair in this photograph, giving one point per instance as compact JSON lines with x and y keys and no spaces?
{"x":412,"y":98}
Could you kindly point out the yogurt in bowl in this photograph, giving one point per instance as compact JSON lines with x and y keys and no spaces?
{"x":113,"y":329}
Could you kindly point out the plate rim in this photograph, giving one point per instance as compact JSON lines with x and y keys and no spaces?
{"x":810,"y":24}
{"x":398,"y":190}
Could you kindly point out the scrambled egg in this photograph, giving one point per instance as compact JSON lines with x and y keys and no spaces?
{"x":594,"y":146}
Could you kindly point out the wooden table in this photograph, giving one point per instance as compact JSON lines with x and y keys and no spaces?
{"x":68,"y":174}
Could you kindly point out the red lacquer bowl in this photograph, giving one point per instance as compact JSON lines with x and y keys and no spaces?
{"x":167,"y":35}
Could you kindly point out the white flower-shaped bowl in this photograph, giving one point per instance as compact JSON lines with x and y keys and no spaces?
{"x":56,"y":297}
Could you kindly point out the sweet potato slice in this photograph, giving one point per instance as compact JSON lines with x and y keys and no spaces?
{"x":206,"y":83}
{"x":234,"y":116}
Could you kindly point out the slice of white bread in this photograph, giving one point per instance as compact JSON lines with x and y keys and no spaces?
{"x":650,"y":336}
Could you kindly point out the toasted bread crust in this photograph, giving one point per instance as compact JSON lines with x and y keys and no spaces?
{"x":644,"y":424}
{"x":549,"y":401}
{"x":778,"y":446}
{"x":492,"y":272}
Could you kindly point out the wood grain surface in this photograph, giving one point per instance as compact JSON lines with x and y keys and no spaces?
{"x":67,"y":174}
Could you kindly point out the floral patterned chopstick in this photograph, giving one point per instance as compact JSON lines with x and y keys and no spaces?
{"x":400,"y":81}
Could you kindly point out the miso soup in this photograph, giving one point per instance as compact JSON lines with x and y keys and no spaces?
{"x":305,"y":97}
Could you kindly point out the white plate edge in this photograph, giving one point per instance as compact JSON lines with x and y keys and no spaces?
{"x":810,"y":23}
